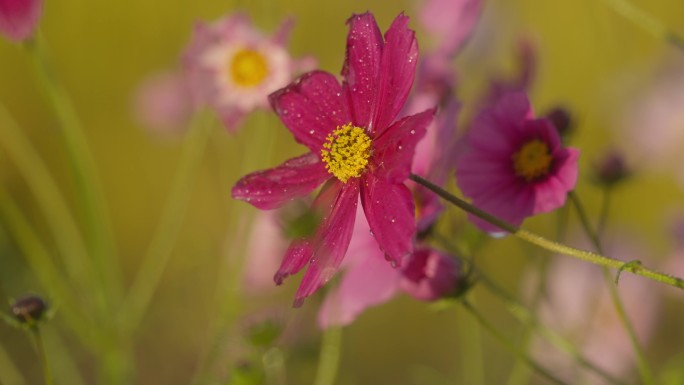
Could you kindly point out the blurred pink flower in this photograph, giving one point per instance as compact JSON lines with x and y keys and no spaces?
{"x":19,"y":18}
{"x":369,"y":280}
{"x":515,"y":166}
{"x":232,"y":67}
{"x":264,"y":245}
{"x":577,"y":304}
{"x":163,"y":103}
{"x":351,"y":132}
{"x":450,"y":22}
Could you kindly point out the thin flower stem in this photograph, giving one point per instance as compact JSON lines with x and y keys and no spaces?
{"x":646,"y":22}
{"x":644,"y":368}
{"x":58,"y":217}
{"x":547,"y":244}
{"x":329,"y":358}
{"x":40,"y":346}
{"x":605,"y":208}
{"x":509,"y":345}
{"x":91,"y":197}
{"x":159,"y":251}
{"x":471,"y":352}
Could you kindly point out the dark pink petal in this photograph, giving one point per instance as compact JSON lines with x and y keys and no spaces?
{"x":390,"y":212}
{"x":450,"y":22}
{"x":397,"y":71}
{"x":551,"y":193}
{"x":512,"y":203}
{"x":370,"y":282}
{"x":362,"y":67}
{"x":18,"y":18}
{"x":272,"y":188}
{"x":394,"y":149}
{"x":311,"y":108}
{"x":331,"y":240}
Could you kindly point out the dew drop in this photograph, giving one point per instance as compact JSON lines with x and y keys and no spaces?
{"x":393,"y":263}
{"x":400,"y":147}
{"x":393,"y":220}
{"x":311,"y":132}
{"x":413,"y":132}
{"x":371,"y":233}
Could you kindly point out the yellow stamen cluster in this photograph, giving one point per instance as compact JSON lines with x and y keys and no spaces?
{"x":346,"y":152}
{"x":248,"y":68}
{"x":532,"y":160}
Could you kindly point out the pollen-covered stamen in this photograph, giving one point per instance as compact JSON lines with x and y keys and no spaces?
{"x":248,"y":67}
{"x":346,"y":152}
{"x":532,"y":160}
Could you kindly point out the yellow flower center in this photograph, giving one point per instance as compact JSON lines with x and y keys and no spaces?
{"x":346,"y":152}
{"x":248,"y":68}
{"x":533,"y":160}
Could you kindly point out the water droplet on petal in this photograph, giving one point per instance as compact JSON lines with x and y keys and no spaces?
{"x":400,"y":147}
{"x":413,"y":132}
{"x":311,"y":132}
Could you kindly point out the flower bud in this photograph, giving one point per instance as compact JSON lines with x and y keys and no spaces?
{"x":429,"y":274}
{"x":561,"y":119}
{"x":29,"y":309}
{"x":18,"y":18}
{"x":611,"y":168}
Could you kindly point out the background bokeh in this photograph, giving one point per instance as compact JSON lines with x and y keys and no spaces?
{"x":593,"y":61}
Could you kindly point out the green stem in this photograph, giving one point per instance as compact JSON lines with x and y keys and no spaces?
{"x":646,"y":22}
{"x":547,"y":244}
{"x":510,"y":346}
{"x":644,"y":368}
{"x":159,"y":251}
{"x":90,"y":192}
{"x":49,"y":199}
{"x":40,"y":346}
{"x":471,"y":352}
{"x":329,"y":358}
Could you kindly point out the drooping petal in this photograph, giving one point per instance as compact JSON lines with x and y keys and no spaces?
{"x":300,"y":250}
{"x":397,"y":71}
{"x":18,"y":18}
{"x":390,"y":212}
{"x":361,"y":67}
{"x":331,"y":241}
{"x":311,"y":108}
{"x":269,"y":189}
{"x":394,"y":149}
{"x":370,"y":282}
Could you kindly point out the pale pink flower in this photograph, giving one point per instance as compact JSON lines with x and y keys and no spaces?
{"x":19,"y":18}
{"x":515,"y":166}
{"x":449,"y":22}
{"x":163,"y":103}
{"x":577,"y":304}
{"x":356,"y":147}
{"x":232,"y":67}
{"x":264,"y":247}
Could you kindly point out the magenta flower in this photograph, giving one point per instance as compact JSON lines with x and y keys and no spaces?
{"x":356,"y":146}
{"x":233,"y":68}
{"x":515,"y":166}
{"x":18,"y":18}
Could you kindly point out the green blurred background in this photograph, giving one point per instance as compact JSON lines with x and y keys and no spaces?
{"x":591,"y":60}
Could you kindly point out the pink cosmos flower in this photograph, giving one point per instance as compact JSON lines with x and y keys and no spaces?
{"x":232,"y":67}
{"x":450,"y":22}
{"x":356,"y":148}
{"x":515,"y":166}
{"x":19,"y":18}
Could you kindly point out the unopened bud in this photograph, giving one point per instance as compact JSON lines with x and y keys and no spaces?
{"x":29,"y":310}
{"x":429,"y":274}
{"x":561,"y":119}
{"x":611,"y":168}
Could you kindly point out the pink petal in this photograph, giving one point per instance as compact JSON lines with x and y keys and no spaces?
{"x":450,"y":22}
{"x":362,"y":67}
{"x":428,"y":274}
{"x":282,"y":34}
{"x":394,"y":149}
{"x":331,"y":241}
{"x":272,"y":188}
{"x":18,"y":18}
{"x":397,"y":71}
{"x":390,"y":212}
{"x":551,"y":193}
{"x":163,"y":104}
{"x":370,"y":282}
{"x":311,"y":108}
{"x":300,"y":251}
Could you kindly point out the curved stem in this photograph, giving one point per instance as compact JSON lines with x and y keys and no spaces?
{"x":159,"y":251}
{"x":510,"y":346}
{"x":644,"y":368}
{"x":547,"y":244}
{"x":90,"y":192}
